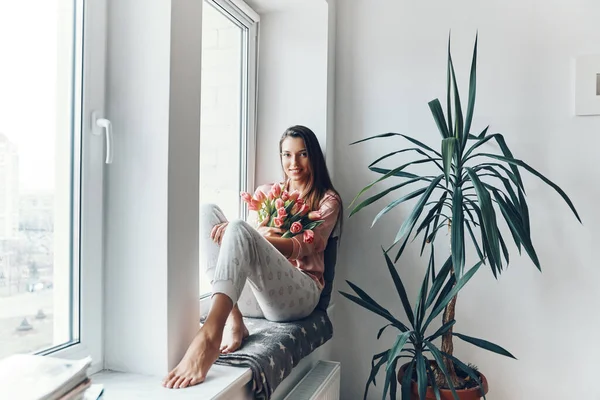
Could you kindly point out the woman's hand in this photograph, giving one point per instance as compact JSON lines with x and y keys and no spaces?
{"x":268,"y":231}
{"x":273,"y":236}
{"x":218,"y":231}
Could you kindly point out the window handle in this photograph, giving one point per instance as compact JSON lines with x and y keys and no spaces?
{"x":99,"y":124}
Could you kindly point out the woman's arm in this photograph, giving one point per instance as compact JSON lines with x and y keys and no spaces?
{"x":273,"y":235}
{"x":284,"y":245}
{"x":329,"y":209}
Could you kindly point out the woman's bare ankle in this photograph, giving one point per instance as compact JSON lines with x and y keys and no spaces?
{"x":211,"y":333}
{"x":235,"y":333}
{"x":235,"y":317}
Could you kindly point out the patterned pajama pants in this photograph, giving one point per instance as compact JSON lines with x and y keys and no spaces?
{"x":252,"y":272}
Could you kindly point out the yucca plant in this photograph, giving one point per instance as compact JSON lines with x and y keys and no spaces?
{"x":467,"y":195}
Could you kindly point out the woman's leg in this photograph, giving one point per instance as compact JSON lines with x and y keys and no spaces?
{"x":211,"y":215}
{"x":236,"y":331}
{"x":204,"y":349}
{"x":283,"y":292}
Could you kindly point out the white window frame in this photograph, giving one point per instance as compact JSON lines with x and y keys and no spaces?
{"x":88,"y":97}
{"x":248,"y":18}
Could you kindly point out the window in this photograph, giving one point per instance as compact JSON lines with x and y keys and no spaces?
{"x":228,"y":107}
{"x":50,"y":177}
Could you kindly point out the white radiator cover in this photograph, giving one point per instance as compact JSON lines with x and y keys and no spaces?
{"x":320,"y":383}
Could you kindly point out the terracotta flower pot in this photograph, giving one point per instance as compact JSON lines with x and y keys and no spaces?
{"x":445,"y":394}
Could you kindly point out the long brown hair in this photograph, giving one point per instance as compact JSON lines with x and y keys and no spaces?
{"x":319,"y":182}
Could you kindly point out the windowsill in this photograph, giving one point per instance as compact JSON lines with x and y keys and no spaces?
{"x":222,"y":382}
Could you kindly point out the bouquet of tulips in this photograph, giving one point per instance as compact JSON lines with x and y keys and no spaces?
{"x":284,"y":210}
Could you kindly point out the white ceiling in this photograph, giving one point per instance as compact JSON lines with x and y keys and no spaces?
{"x":266,"y":6}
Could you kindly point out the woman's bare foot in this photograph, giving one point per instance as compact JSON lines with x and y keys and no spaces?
{"x":193,"y":367}
{"x":233,"y":336}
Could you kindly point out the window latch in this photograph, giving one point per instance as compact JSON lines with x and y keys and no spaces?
{"x":98,"y":125}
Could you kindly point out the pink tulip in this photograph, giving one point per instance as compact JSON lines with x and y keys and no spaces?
{"x":278,"y":222}
{"x":308,"y":236}
{"x":315,"y":215}
{"x":281,"y":212}
{"x":304,"y":209}
{"x":279,"y":203}
{"x":271,"y":196}
{"x":300,"y":201}
{"x":246,"y":197}
{"x":294,"y":195}
{"x":254,"y":205}
{"x":296,"y":227}
{"x":276,"y":189}
{"x":260,"y":196}
{"x":295,"y":209}
{"x":285,"y":196}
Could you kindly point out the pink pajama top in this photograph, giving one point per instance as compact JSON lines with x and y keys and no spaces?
{"x":308,"y":257}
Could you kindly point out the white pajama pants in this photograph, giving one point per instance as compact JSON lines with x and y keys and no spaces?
{"x":252,"y":272}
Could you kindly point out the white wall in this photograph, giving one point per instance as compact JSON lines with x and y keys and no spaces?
{"x":130,"y":68}
{"x":153,"y":97}
{"x":292,"y":78}
{"x":391,"y":58}
{"x":330,"y":120}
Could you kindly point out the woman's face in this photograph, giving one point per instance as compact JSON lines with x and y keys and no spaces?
{"x":294,"y":159}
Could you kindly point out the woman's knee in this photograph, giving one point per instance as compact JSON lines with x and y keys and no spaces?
{"x":239,"y":227}
{"x":209,"y":209}
{"x":210,"y":215}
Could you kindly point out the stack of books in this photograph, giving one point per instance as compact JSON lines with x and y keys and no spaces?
{"x":31,"y":377}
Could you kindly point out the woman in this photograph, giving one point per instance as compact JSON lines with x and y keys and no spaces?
{"x":285,"y":275}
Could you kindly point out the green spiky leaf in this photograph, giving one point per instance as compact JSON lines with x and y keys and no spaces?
{"x":484,"y":344}
{"x":448,"y":146}
{"x":400,"y":289}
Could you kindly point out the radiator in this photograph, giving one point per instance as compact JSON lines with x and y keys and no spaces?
{"x":320,"y":383}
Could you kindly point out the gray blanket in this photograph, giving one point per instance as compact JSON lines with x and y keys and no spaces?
{"x":274,"y":348}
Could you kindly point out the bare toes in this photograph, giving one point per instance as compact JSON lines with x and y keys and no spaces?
{"x":185,"y":383}
{"x":172,"y":382}
{"x":179,"y":384}
{"x":169,"y":376}
{"x":182,"y":381}
{"x":195,"y":381}
{"x":176,"y":382}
